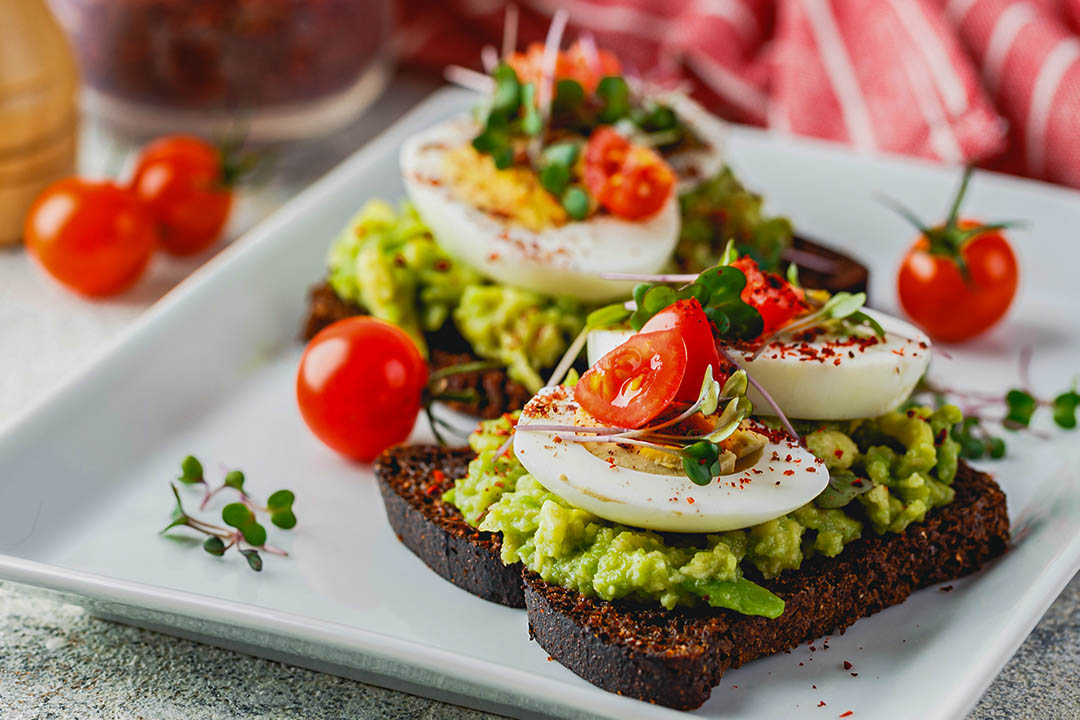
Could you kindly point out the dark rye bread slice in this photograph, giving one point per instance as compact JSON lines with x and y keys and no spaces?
{"x":496,"y":393}
{"x":412,"y":479}
{"x":675,"y":658}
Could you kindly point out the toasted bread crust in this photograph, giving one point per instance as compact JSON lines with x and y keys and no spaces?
{"x":675,"y":658}
{"x":412,"y":480}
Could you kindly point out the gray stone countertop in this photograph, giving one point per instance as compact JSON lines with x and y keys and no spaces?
{"x":57,"y":661}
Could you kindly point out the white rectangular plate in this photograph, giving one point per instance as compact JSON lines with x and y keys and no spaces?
{"x":209,"y":370}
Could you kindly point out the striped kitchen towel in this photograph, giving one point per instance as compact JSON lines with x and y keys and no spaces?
{"x":990,"y":81}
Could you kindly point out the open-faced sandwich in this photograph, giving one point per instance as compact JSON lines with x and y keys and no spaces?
{"x":737,"y":471}
{"x":524,"y":214}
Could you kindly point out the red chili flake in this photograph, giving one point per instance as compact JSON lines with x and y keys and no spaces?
{"x":777,"y":483}
{"x":735,"y":686}
{"x":856,"y":482}
{"x":822,"y":703}
{"x":399,"y":260}
{"x":442,"y":265}
{"x":438,"y":476}
{"x":854,"y":674}
{"x":789,"y":472}
{"x":812,"y":648}
{"x":493,"y":257}
{"x":847,"y":665}
{"x":556,"y":439}
{"x":431,"y":490}
{"x":788,"y":458}
{"x":851,"y":354}
{"x":690,"y":500}
{"x":940,"y":437}
{"x":800,"y":664}
{"x":499,"y":484}
{"x":836,"y":361}
{"x":846,"y":714}
{"x":811,"y":469}
{"x":814,"y":686}
{"x":510,"y":419}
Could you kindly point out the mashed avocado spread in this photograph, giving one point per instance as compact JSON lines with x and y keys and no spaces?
{"x":886,"y":473}
{"x":388,"y":263}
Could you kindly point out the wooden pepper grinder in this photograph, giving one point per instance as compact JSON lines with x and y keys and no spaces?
{"x":38,"y":114}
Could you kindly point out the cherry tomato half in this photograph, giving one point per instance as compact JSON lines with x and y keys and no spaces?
{"x":181,"y":181}
{"x":939,"y":299}
{"x":688,"y":319}
{"x":359,"y":386}
{"x":586,"y":66}
{"x":632,"y":182}
{"x":775,"y":298}
{"x":94,"y":237}
{"x":633,"y":383}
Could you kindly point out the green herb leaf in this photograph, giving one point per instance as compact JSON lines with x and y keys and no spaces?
{"x":736,"y":411}
{"x":237,"y":515}
{"x":554,"y":178}
{"x":843,"y":487}
{"x":284,"y":519}
{"x":653,"y":300}
{"x":1064,"y":406}
{"x":710,"y":393}
{"x":996,"y":447}
{"x":730,"y":254}
{"x":507,"y":97}
{"x":235,"y":480}
{"x":607,"y":316}
{"x":569,"y":97}
{"x":191,"y":470}
{"x":564,"y":153}
{"x":1021,"y":406}
{"x":735,"y":385}
{"x":698,"y":460}
{"x":254,"y":560}
{"x":254,"y":533}
{"x":614,"y":96}
{"x":531,"y":122}
{"x":214,"y":545}
{"x":281,"y":500}
{"x":862,"y":318}
{"x":843,"y":304}
{"x":793,"y":274}
{"x":724,"y":285}
{"x":576,"y":202}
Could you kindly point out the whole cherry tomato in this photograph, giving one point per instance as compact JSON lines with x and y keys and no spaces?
{"x":182,"y":182}
{"x":777,"y":300}
{"x":94,"y":237}
{"x":633,"y":383}
{"x":631,"y":181}
{"x":688,"y":319}
{"x":360,"y":385}
{"x":950,"y":307}
{"x":958,"y":278}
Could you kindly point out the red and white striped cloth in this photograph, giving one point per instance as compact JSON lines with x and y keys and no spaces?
{"x":990,"y":81}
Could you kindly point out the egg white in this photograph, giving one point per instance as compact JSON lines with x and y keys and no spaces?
{"x":558,"y":261}
{"x":871,"y":381}
{"x":785,"y":477}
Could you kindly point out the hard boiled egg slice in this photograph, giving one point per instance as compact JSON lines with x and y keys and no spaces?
{"x":827,"y":377}
{"x":784,"y":477}
{"x":560,"y":260}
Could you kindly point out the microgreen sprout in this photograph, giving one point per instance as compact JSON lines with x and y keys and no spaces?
{"x":1016,"y":409}
{"x":241,"y":527}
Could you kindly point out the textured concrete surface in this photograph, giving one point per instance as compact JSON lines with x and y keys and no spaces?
{"x":56,"y":661}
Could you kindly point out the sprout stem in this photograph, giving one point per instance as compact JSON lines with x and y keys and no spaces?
{"x":768,"y":398}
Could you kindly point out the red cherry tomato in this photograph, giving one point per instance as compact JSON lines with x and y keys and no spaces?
{"x":182,"y":182}
{"x":576,"y":63}
{"x":633,"y":383}
{"x":938,"y":298}
{"x":359,"y":386}
{"x":775,"y":298}
{"x":688,"y":319}
{"x":94,"y":237}
{"x":632,"y":182}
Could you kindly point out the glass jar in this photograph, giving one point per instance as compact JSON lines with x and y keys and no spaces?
{"x":273,"y":69}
